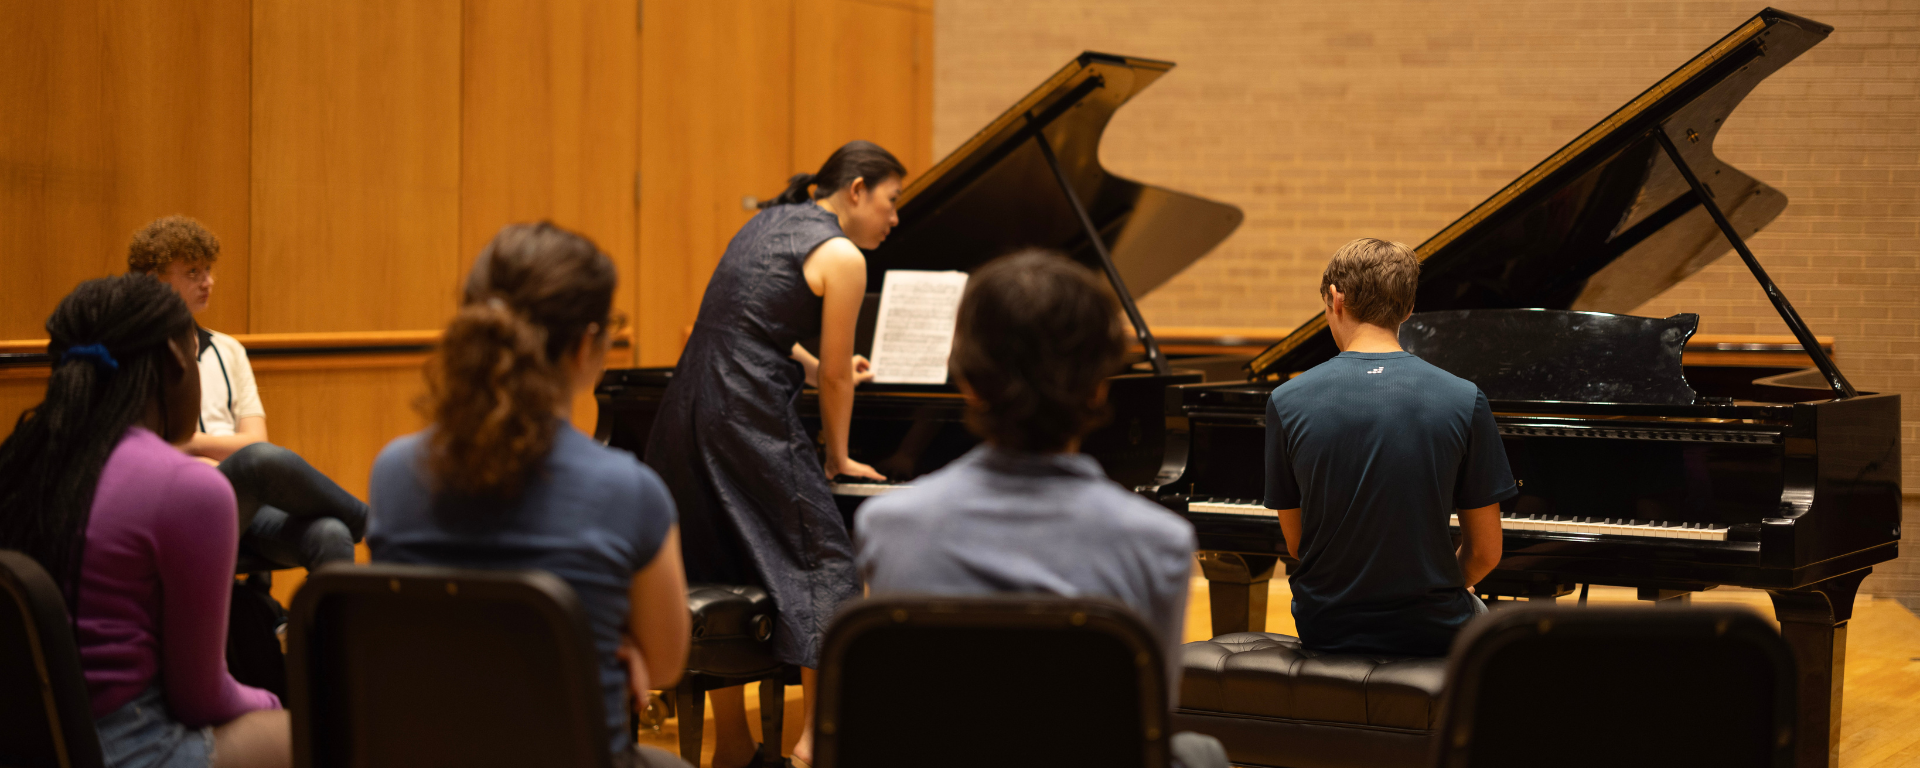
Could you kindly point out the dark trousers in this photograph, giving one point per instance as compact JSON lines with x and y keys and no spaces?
{"x":291,"y":515}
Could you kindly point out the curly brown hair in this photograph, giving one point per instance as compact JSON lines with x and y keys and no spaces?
{"x":169,"y":239}
{"x":494,"y":384}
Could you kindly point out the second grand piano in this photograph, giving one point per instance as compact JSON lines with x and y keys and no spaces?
{"x":1631,"y":475}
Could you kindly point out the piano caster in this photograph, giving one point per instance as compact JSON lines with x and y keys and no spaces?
{"x":1237,"y":589}
{"x":1813,"y":621}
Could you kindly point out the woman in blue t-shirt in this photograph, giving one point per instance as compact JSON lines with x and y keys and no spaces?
{"x":502,"y":479}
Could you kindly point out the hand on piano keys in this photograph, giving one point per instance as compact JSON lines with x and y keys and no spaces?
{"x":1606,"y":526}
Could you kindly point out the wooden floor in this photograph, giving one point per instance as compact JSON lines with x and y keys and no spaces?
{"x":1880,"y":720}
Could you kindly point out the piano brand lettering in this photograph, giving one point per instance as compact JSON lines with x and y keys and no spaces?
{"x":1381,"y":369}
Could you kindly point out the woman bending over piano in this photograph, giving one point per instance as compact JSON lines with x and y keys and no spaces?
{"x":754,"y":502}
{"x":503,"y":480}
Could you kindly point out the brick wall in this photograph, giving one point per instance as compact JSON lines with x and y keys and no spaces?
{"x":1328,"y":121}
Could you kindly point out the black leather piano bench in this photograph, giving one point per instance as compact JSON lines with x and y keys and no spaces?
{"x":1274,"y":703}
{"x":732,"y":645}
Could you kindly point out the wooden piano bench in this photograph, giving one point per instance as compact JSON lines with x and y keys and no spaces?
{"x":1274,"y":703}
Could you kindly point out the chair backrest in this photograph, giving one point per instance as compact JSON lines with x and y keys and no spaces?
{"x":1642,"y":686}
{"x":1001,"y":681}
{"x":393,"y":665}
{"x":44,"y":704}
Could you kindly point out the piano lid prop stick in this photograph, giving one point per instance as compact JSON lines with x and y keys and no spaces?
{"x":1835,"y":379}
{"x":1147,"y":342}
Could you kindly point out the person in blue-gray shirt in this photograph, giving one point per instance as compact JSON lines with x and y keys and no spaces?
{"x":501,"y":479}
{"x":1368,"y":454}
{"x":1026,"y":512}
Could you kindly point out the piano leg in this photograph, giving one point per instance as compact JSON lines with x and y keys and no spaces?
{"x":1237,"y":590}
{"x":1813,"y":621}
{"x":1673,"y":598}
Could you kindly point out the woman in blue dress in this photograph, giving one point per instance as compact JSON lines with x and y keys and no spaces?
{"x":755,"y":506}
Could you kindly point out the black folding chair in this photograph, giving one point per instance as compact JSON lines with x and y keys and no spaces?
{"x":46,"y":715}
{"x":1001,"y":681}
{"x":394,"y":665}
{"x":1647,"y":687}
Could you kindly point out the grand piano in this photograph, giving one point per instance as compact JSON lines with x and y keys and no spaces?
{"x":1031,"y":178}
{"x":1631,"y":475}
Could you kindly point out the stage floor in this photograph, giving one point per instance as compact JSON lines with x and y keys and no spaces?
{"x":1880,"y":719}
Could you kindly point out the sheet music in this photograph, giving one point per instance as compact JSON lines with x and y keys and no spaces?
{"x":914,"y":332}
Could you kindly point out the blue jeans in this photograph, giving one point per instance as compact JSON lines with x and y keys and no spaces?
{"x":290,"y":514}
{"x":143,"y":734}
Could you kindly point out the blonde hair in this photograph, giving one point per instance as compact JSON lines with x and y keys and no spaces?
{"x":1378,"y":279}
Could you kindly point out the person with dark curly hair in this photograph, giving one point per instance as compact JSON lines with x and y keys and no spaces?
{"x":1036,"y":338}
{"x":291,"y":515}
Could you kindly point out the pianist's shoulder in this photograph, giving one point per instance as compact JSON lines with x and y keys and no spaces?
{"x":1363,"y":373}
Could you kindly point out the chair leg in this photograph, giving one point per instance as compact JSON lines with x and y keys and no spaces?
{"x":773,"y":712}
{"x":691,"y":705}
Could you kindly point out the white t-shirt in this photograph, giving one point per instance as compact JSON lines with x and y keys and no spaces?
{"x":227,"y":391}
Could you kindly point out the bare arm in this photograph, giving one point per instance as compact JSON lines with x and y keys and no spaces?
{"x":1290,"y":528}
{"x":657,"y":620}
{"x":250,"y":430}
{"x":843,"y":278}
{"x":1480,"y":542}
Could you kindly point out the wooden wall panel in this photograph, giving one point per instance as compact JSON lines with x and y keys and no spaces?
{"x":116,"y":113}
{"x":715,"y":128}
{"x":550,"y":121}
{"x":356,"y":164}
{"x":863,"y":69}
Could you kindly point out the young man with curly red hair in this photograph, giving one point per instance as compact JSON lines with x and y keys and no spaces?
{"x":291,"y":515}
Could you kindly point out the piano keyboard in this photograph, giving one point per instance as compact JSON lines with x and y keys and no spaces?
{"x":866,"y":489}
{"x":1609,"y":527}
{"x":1594,"y":526}
{"x":1231,"y":507}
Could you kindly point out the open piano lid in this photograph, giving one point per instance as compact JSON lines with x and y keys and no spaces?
{"x":996,"y":193}
{"x":1607,"y":222}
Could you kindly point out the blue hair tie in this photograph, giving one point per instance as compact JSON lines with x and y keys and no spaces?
{"x":97,"y":353}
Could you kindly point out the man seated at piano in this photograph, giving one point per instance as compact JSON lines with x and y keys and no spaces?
{"x":1026,"y":512}
{"x":1368,"y":455}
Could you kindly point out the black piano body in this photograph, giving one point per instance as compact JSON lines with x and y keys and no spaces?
{"x":1635,"y":471}
{"x":1031,"y":178}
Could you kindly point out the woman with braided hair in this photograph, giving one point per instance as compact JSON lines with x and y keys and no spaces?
{"x":92,"y":487}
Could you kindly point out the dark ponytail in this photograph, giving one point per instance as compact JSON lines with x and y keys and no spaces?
{"x":116,"y":329}
{"x":496,"y":380}
{"x":857,"y":160}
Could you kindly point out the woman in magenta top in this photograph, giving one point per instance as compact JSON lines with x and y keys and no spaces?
{"x":92,"y":487}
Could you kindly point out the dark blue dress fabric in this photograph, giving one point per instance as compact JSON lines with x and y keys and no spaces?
{"x":728,"y":440}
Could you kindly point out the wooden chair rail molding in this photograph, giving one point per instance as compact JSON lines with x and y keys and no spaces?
{"x":284,"y":351}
